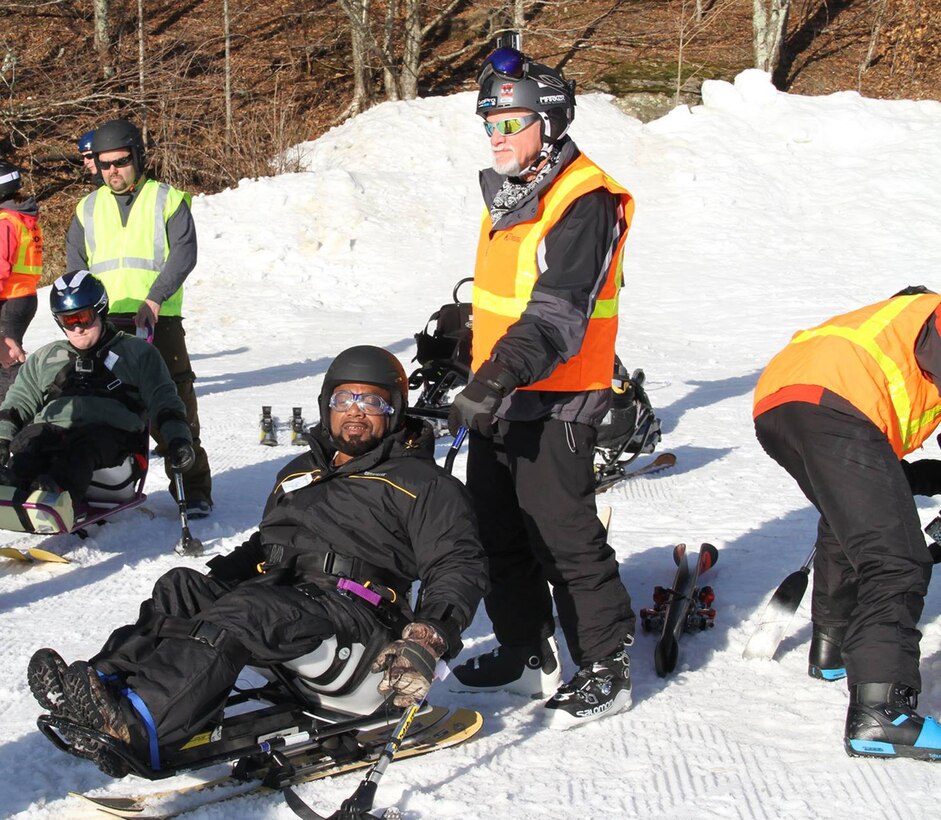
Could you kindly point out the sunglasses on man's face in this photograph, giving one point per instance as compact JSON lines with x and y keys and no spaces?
{"x":120,"y":162}
{"x":511,"y":126}
{"x":88,"y":156}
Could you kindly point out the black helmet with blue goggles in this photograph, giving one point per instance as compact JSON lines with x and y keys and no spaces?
{"x":509,"y":79}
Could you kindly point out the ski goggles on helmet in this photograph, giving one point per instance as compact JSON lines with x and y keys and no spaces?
{"x":120,"y":162}
{"x":510,"y":126}
{"x":372,"y":404}
{"x":507,"y":62}
{"x":75,"y":319}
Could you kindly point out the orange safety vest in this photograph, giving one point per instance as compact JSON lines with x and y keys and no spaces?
{"x":868,"y":358}
{"x":506,"y":271}
{"x":26,"y":269}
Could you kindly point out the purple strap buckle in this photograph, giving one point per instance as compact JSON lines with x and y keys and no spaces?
{"x":346,"y":585}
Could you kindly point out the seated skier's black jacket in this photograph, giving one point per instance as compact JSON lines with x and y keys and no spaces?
{"x":391,"y":516}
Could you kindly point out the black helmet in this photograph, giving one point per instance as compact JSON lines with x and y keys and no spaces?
{"x":509,"y":79}
{"x":117,"y":134}
{"x":10,"y":180}
{"x":365,"y":364}
{"x":76,"y":291}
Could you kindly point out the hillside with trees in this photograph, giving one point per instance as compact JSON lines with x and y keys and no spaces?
{"x":222,"y":86}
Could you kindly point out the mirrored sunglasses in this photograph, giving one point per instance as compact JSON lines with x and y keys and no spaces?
{"x":120,"y":162}
{"x":74,"y":319}
{"x":511,"y":126}
{"x":507,"y":62}
{"x":371,"y":404}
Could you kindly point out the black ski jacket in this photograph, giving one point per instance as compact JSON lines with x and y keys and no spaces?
{"x":391,"y":516}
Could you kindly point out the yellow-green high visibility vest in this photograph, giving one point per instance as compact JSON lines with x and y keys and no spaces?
{"x":128,"y":258}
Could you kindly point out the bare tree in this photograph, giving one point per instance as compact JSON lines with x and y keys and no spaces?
{"x":769,"y":29}
{"x":227,"y":69}
{"x":877,"y":23}
{"x":357,"y":11}
{"x":103,"y":39}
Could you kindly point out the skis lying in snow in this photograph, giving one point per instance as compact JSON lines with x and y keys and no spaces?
{"x":683,"y":607}
{"x":776,"y":619}
{"x":434,"y":730}
{"x":661,"y":462}
{"x":32,"y":555}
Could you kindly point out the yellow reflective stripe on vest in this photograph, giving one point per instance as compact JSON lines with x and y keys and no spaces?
{"x":19,"y":265}
{"x":159,"y":257}
{"x":865,"y":336}
{"x":128,"y":258}
{"x":555,"y":204}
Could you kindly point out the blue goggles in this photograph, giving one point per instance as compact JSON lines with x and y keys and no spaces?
{"x":507,"y":62}
{"x":372,"y":404}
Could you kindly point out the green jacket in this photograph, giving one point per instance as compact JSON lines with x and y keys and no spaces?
{"x":125,"y":385}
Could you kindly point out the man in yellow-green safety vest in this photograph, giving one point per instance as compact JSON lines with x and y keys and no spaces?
{"x":138,"y":237}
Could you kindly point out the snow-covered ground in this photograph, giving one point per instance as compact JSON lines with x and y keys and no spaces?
{"x":758,"y":213}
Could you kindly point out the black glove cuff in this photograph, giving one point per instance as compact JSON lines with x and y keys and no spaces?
{"x":497,"y":377}
{"x":420,"y":658}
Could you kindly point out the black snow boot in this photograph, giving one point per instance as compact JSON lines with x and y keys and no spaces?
{"x":532,"y":670}
{"x":882,"y":722}
{"x":599,"y":689}
{"x":825,"y":661}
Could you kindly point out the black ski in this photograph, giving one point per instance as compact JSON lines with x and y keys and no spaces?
{"x":661,"y":462}
{"x":685,"y":606}
{"x":268,"y":435}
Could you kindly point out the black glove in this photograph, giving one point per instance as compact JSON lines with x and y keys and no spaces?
{"x":409,"y":664}
{"x":924,"y":476}
{"x":181,"y":455}
{"x":4,"y":452}
{"x":475,"y":405}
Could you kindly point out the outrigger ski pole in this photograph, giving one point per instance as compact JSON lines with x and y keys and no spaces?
{"x":358,"y":804}
{"x":188,"y":545}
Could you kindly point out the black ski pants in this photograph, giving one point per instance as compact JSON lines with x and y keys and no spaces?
{"x":194,"y":635}
{"x":872,"y":566}
{"x":533,"y":491}
{"x":170,"y":341}
{"x":69,"y":454}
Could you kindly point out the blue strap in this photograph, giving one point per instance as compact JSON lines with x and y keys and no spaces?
{"x":141,"y":708}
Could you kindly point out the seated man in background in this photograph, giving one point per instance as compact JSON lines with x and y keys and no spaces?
{"x":84,"y":402}
{"x":366,"y":509}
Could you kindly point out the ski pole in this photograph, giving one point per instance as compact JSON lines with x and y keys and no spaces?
{"x":358,"y":805}
{"x":455,"y":449}
{"x":188,"y":544}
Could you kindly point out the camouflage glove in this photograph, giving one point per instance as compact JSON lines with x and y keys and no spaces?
{"x":409,"y":664}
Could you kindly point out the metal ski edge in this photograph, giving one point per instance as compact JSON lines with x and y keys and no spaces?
{"x":458,"y":727}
